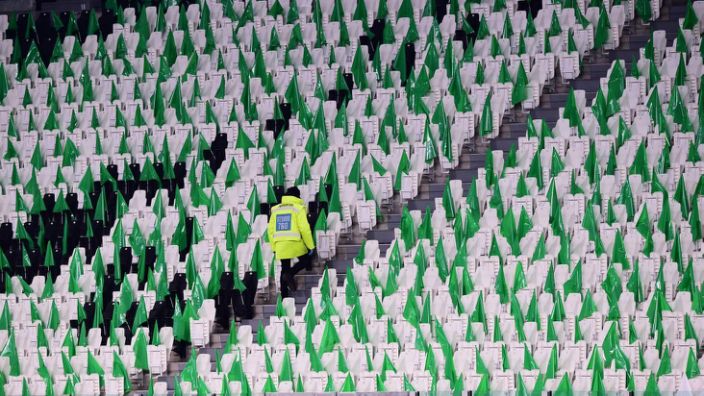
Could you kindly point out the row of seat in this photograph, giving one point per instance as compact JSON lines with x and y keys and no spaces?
{"x":174,"y":136}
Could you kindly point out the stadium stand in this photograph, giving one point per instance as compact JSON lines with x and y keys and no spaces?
{"x":467,"y":246}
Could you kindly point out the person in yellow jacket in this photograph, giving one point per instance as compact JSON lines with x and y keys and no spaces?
{"x":291,"y":237}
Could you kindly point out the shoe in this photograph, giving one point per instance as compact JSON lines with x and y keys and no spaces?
{"x":223,"y":323}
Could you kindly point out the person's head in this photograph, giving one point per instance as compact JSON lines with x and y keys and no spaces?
{"x":293,"y":192}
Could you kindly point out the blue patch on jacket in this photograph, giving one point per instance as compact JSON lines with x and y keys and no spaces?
{"x":283,"y":222}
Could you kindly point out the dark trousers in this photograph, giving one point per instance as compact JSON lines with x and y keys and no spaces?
{"x":288,"y":272}
{"x":243,"y":301}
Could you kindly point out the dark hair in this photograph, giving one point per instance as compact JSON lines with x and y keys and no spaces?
{"x":293,"y":191}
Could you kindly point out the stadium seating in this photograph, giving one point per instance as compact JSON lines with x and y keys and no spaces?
{"x":143,"y":148}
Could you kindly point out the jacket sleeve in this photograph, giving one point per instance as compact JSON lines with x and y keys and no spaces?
{"x":304,"y":229}
{"x":271,"y":227}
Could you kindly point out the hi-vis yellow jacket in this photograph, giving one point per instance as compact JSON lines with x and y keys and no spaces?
{"x":289,"y":232}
